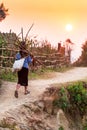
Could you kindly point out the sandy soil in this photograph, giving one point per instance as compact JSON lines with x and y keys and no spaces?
{"x":36,"y":87}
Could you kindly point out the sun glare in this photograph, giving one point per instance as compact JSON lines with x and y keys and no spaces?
{"x":68,"y":27}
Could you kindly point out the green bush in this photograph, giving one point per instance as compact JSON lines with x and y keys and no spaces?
{"x":85,"y":127}
{"x":8,"y":76}
{"x":62,"y":101}
{"x":78,"y":97}
{"x":72,"y":98}
{"x":61,"y":128}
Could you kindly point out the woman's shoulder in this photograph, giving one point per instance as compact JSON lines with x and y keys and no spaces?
{"x":28,"y":58}
{"x":18,"y":56}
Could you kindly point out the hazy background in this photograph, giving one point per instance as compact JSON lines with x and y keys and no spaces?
{"x":50,"y":18}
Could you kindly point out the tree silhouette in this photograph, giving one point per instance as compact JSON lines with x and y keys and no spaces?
{"x":83,"y":57}
{"x":82,"y":60}
{"x":3,"y":12}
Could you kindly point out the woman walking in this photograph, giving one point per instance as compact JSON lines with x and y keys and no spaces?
{"x":23,"y":73}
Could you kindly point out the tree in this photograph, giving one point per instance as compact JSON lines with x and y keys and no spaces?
{"x":3,"y":12}
{"x":82,"y":61}
{"x":83,"y":57}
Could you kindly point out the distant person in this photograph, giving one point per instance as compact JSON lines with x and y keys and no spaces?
{"x":68,"y":45}
{"x":23,"y":73}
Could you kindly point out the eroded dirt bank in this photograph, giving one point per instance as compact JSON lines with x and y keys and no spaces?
{"x":12,"y":108}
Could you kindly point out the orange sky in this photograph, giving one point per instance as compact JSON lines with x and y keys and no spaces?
{"x":50,"y":18}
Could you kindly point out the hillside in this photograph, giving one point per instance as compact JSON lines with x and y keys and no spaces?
{"x":12,"y":110}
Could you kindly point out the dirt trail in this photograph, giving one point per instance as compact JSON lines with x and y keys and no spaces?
{"x":36,"y":87}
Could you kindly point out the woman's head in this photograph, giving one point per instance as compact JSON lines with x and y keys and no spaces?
{"x":22,"y":45}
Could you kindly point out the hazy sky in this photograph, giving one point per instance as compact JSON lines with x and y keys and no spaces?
{"x":49,"y":17}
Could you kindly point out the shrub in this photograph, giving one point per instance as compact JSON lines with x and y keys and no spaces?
{"x":62,"y":102}
{"x":85,"y":127}
{"x":61,"y":128}
{"x":72,"y":98}
{"x":78,"y":97}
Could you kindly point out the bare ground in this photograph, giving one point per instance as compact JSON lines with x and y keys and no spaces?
{"x":36,"y":87}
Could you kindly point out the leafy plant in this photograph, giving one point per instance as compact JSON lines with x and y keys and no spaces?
{"x":72,"y":98}
{"x":85,"y":127}
{"x":78,"y":97}
{"x":62,"y":101}
{"x":61,"y":128}
{"x":8,"y":75}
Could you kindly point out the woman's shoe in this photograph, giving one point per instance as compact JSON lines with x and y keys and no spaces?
{"x":16,"y":94}
{"x":27,"y":92}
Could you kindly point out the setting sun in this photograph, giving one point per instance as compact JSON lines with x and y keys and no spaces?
{"x":54,"y":21}
{"x":68,"y":27}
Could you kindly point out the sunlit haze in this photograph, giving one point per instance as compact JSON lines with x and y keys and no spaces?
{"x":68,"y":27}
{"x":50,"y":19}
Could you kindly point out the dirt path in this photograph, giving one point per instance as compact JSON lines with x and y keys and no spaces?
{"x":37,"y":87}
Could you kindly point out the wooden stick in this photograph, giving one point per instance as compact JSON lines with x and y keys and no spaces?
{"x":22,"y":34}
{"x":29,"y":31}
